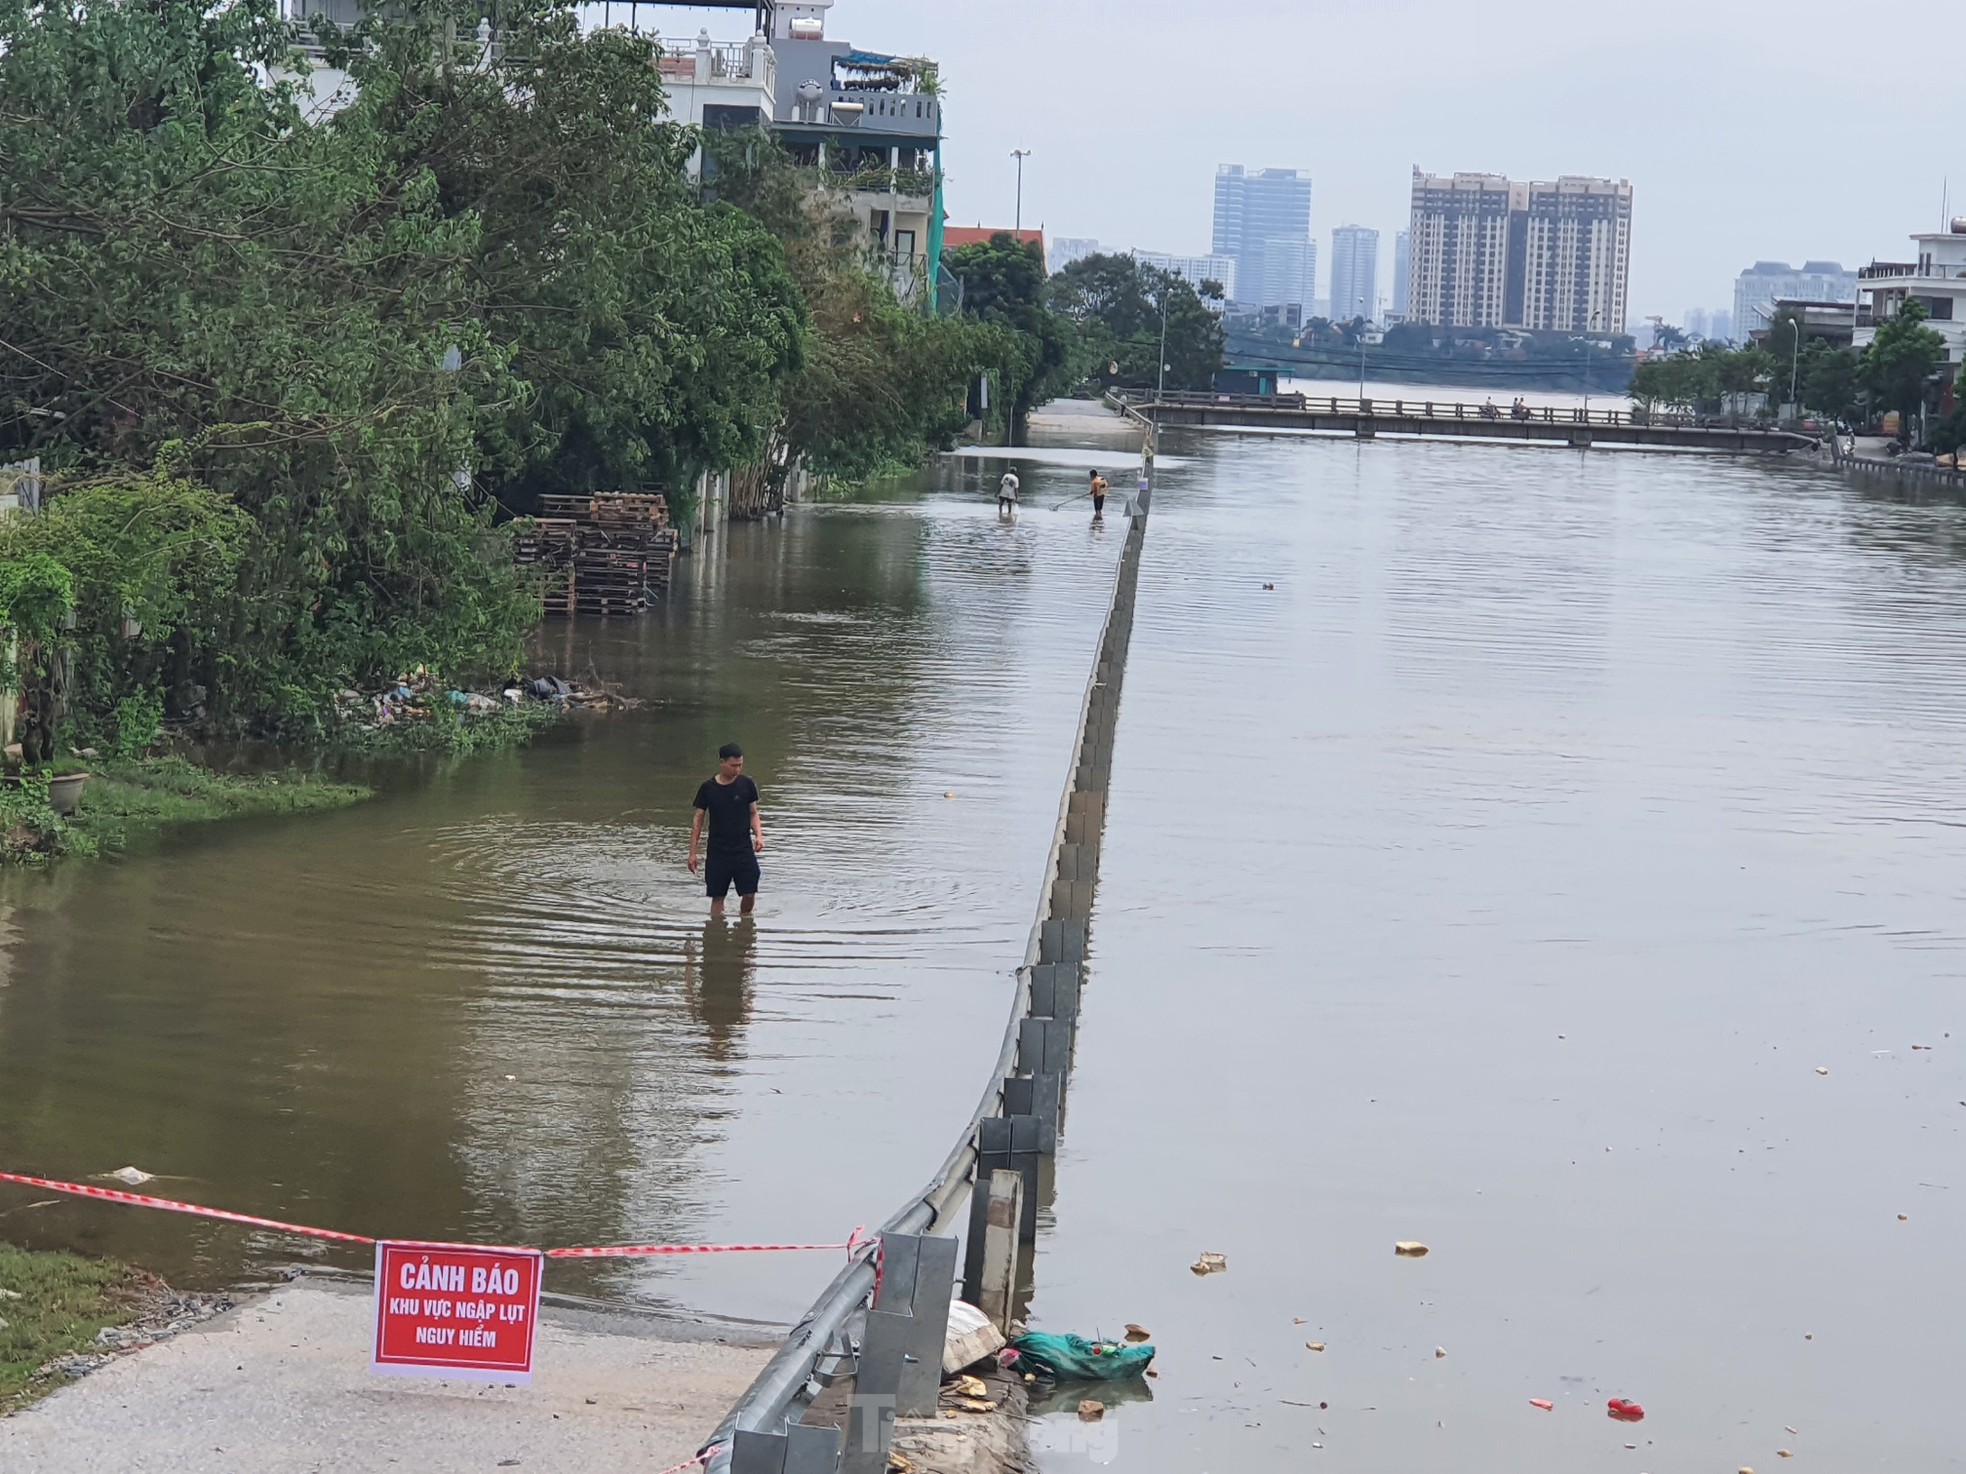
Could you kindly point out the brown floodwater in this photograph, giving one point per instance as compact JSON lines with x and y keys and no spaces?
{"x":1501,"y":879}
{"x":488,"y":1007}
{"x":1507,"y":879}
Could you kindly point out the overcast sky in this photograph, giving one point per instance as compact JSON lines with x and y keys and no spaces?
{"x":1779,"y":129}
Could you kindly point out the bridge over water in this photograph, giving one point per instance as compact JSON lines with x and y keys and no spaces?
{"x":1434,"y":418}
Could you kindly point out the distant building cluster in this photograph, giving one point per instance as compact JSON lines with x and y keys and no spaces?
{"x":1195,"y":269}
{"x":1716,"y":326}
{"x":1762,"y":285}
{"x":1487,"y":251}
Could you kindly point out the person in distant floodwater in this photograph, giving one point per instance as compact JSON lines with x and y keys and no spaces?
{"x":729,"y":804}
{"x":1099,"y":488}
{"x":1007,"y":490}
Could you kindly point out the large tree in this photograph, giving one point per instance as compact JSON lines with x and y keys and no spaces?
{"x":1899,"y":366}
{"x":1117,"y":305}
{"x":1002,"y":281}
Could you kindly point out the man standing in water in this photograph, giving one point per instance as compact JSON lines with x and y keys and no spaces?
{"x":1007,"y":490}
{"x":729,"y":802}
{"x":1100,"y":486}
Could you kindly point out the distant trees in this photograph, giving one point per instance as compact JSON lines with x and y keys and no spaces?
{"x":1115,"y":305}
{"x":1899,"y":365}
{"x":1003,"y":285}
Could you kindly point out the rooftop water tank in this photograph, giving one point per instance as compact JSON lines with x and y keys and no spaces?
{"x":1959,"y":225}
{"x":808,"y":28}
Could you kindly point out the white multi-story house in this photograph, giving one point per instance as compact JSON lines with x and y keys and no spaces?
{"x":1937,"y":280}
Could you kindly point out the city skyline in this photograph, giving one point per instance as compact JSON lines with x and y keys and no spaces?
{"x":1705,"y":215}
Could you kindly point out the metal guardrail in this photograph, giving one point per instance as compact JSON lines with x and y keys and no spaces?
{"x":771,"y":1409}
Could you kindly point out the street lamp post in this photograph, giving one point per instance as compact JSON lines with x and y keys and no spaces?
{"x":1161,"y":388}
{"x":1020,"y":154}
{"x":1587,"y":366}
{"x":1795,"y":366}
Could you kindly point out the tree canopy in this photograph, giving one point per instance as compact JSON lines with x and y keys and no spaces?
{"x":1899,"y":365}
{"x":483,"y":278}
{"x":1116,"y":304}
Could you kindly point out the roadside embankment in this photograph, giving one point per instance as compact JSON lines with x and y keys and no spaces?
{"x":281,"y":1385}
{"x":123,"y":800}
{"x":61,"y":1313}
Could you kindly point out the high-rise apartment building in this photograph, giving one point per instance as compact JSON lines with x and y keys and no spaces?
{"x":1494,"y":252}
{"x":1354,"y":273}
{"x":1263,"y":224}
{"x":1762,"y":285}
{"x":1402,"y":309}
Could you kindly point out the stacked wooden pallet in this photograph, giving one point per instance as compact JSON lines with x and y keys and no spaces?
{"x":607,"y":554}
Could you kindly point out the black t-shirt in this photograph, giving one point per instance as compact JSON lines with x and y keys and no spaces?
{"x":729,"y":808}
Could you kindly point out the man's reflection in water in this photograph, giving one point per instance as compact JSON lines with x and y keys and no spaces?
{"x":719,"y":973}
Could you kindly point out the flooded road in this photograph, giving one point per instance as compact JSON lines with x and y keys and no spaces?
{"x":1562,"y":867}
{"x":487,"y":1006}
{"x":1505,"y":878}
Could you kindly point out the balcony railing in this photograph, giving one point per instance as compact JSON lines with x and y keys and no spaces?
{"x":916,"y":183}
{"x":1878,"y":270}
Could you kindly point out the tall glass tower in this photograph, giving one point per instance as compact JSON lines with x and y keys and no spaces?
{"x":1263,"y":223}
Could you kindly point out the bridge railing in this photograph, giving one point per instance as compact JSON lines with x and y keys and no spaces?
{"x":1400,"y":407}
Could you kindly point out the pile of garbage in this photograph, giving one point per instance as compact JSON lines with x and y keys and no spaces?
{"x":417,"y":696}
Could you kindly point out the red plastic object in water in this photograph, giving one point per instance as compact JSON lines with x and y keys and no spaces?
{"x":1625,"y":1411}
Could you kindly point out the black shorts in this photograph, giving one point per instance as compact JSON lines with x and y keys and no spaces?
{"x":721,"y":872}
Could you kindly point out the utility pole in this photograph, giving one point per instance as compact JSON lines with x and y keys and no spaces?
{"x":1795,"y":366}
{"x":1020,"y":154}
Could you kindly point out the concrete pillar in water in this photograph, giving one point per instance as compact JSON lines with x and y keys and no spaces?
{"x":1003,"y":1212}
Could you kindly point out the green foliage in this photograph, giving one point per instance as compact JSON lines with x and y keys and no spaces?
{"x":1003,"y":285}
{"x":1116,"y":303}
{"x":139,"y":719}
{"x":880,"y":385}
{"x":1713,"y":379}
{"x":30,"y":830}
{"x":1898,"y":367}
{"x":149,"y":565}
{"x":126,"y":799}
{"x":481,"y":280}
{"x":35,"y":592}
{"x":452,"y":733}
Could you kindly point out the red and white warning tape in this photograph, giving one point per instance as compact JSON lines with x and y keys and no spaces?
{"x":620,"y":1251}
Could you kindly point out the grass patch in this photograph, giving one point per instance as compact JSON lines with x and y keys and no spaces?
{"x":125,"y":799}
{"x":53,"y":1305}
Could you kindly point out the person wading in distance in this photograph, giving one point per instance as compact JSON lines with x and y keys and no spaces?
{"x":729,"y":802}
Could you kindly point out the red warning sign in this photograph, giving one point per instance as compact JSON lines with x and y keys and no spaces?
{"x":446,"y":1311}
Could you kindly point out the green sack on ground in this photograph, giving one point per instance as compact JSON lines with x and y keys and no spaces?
{"x":1075,"y":1359}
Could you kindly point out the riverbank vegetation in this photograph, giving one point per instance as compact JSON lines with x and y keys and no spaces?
{"x":288,"y":370}
{"x":125,"y":800}
{"x":54,"y":1305}
{"x":1896,"y":373}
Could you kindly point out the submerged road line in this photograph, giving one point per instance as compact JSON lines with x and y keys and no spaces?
{"x":882,"y":1322}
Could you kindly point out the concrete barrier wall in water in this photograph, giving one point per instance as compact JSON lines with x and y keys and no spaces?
{"x":882,"y":1321}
